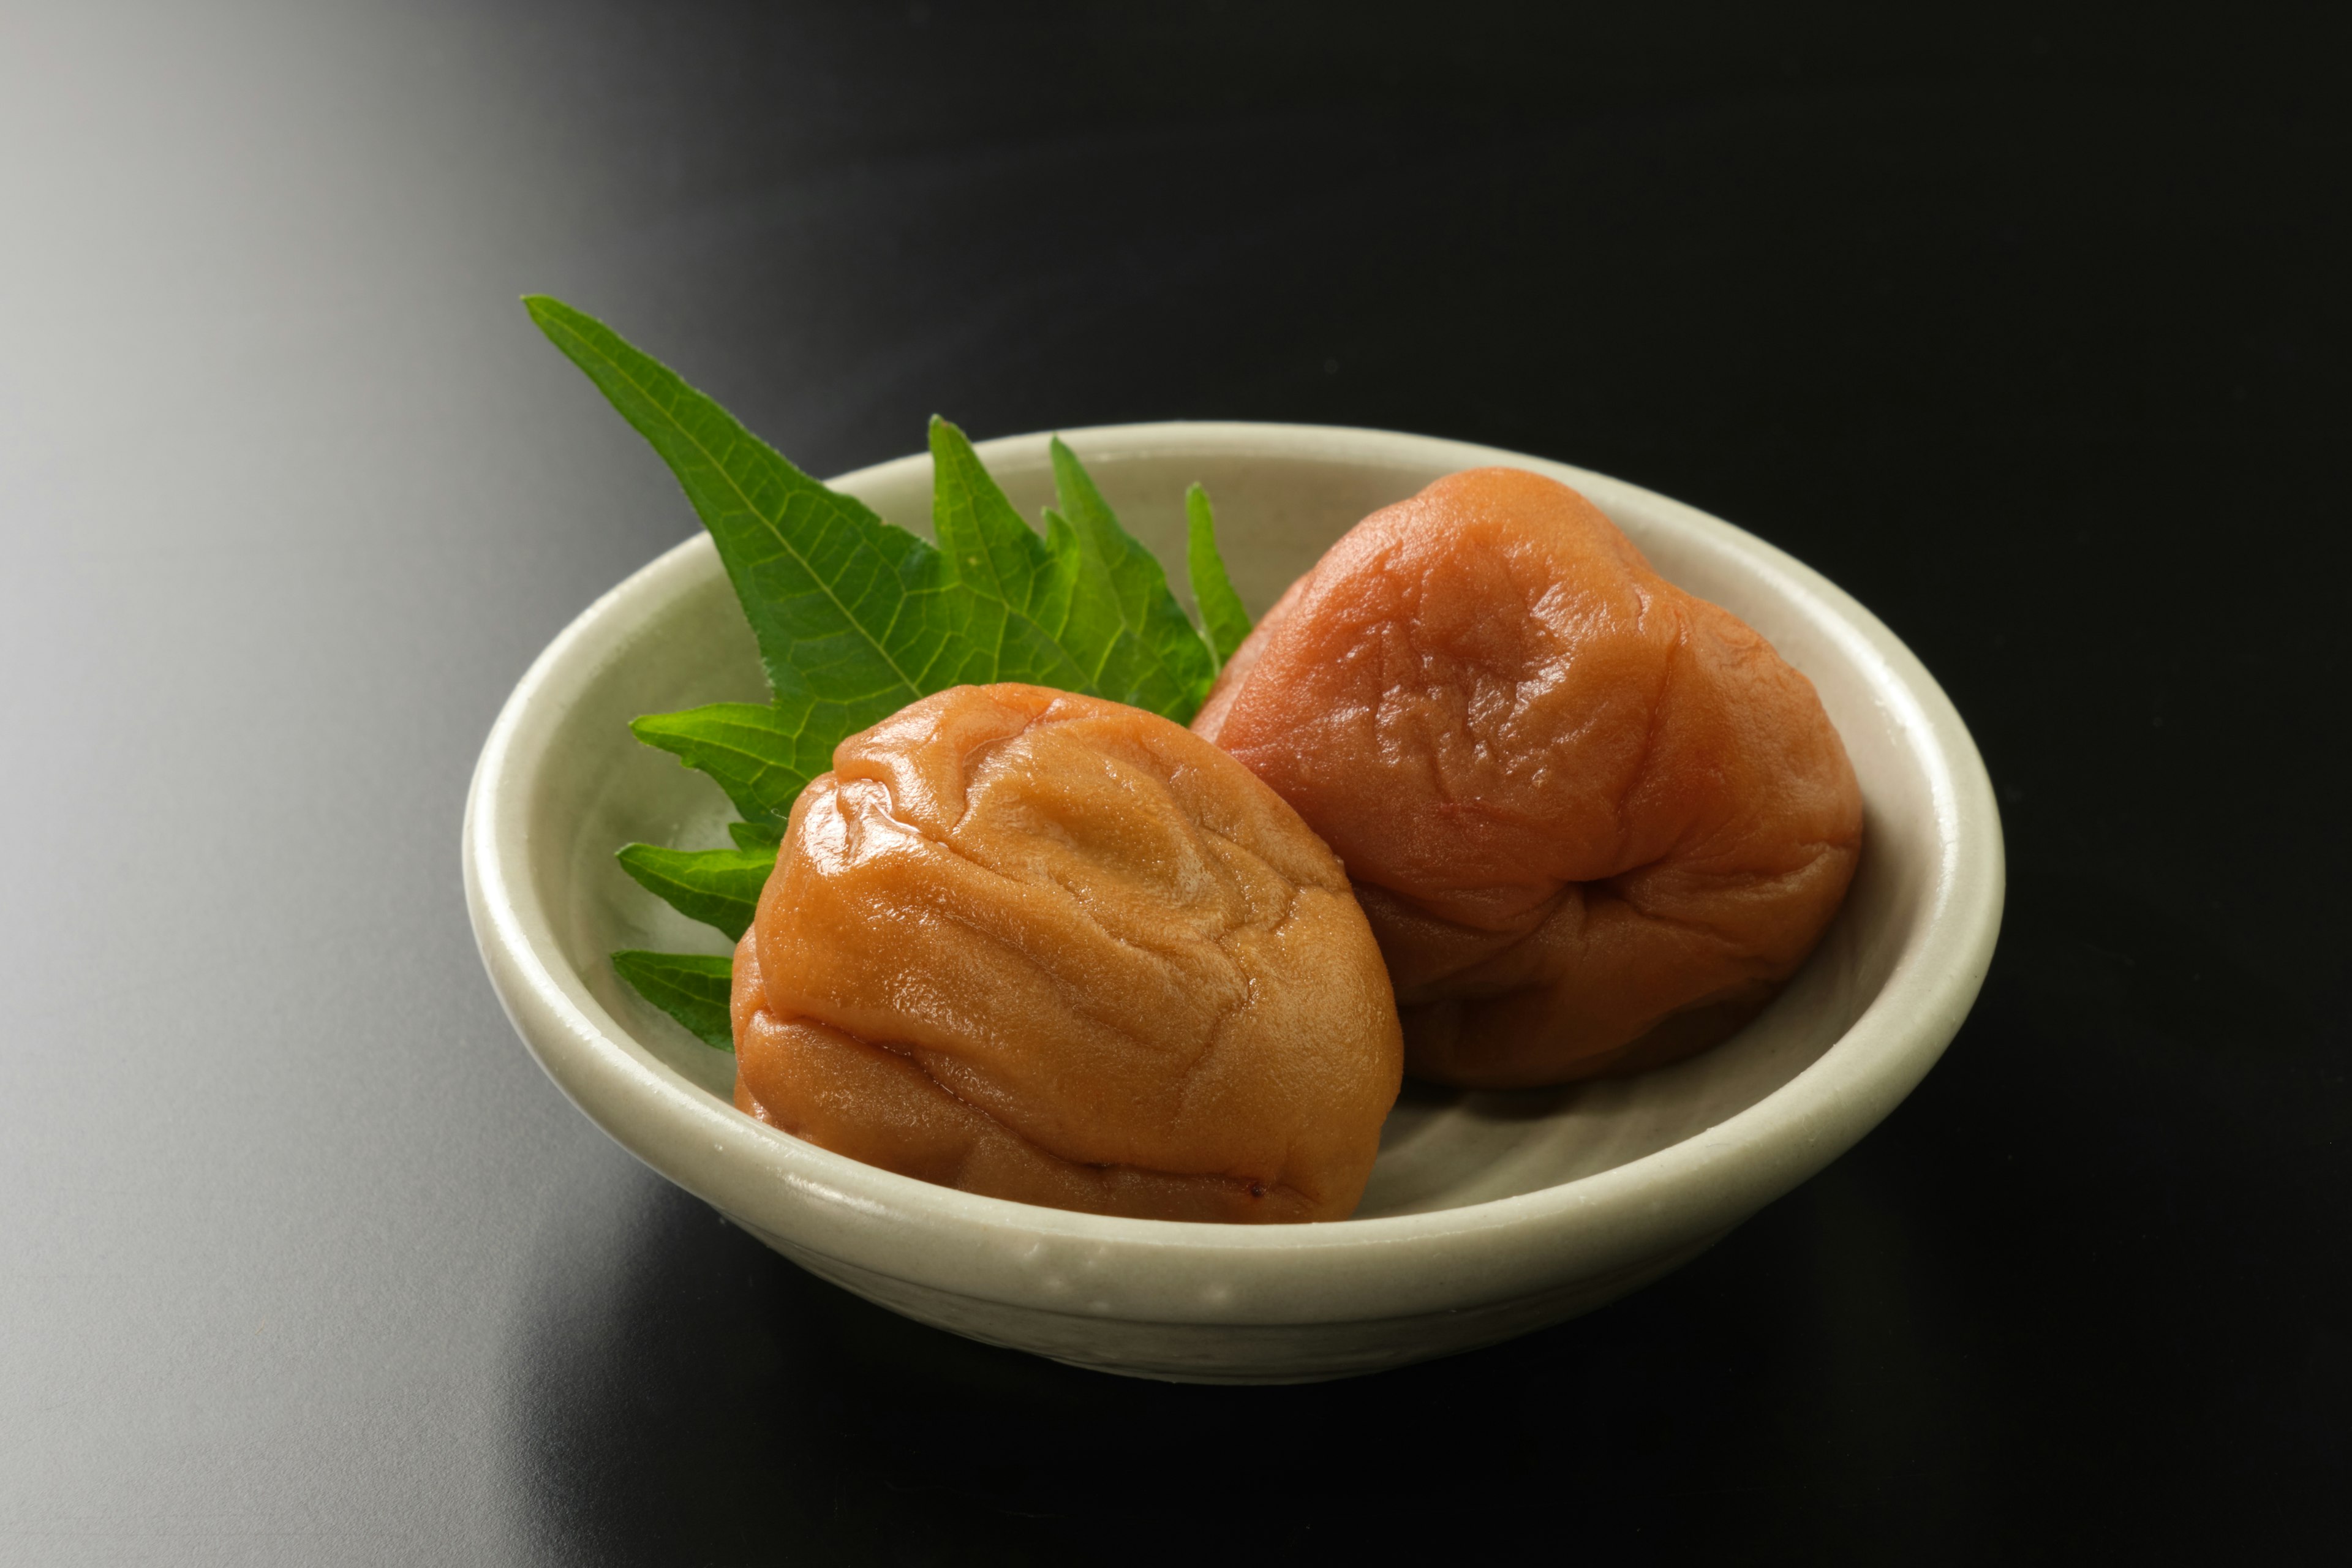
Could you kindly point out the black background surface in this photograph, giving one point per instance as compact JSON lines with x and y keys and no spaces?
{"x":2031,"y":331}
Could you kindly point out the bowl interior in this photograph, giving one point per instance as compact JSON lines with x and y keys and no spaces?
{"x":1277,"y":512}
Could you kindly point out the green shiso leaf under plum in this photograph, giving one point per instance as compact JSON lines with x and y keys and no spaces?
{"x":757,"y":757}
{"x":1223,"y":619}
{"x":717,"y":886}
{"x":755,"y":834}
{"x":1139,"y":648}
{"x":691,"y":988}
{"x":855,"y":617}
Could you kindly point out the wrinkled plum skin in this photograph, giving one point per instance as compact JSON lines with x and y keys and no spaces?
{"x":1059,"y":950}
{"x":1595,"y":822}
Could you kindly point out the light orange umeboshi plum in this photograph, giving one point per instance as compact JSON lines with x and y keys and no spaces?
{"x":1595,"y":822}
{"x":1059,"y":949}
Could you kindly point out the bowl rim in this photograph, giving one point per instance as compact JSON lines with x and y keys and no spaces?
{"x":1695,"y":1187}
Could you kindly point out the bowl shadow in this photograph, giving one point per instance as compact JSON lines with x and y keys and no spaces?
{"x":678,"y":1393}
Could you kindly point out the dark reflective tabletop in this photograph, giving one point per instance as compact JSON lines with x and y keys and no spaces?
{"x":2031,"y":333}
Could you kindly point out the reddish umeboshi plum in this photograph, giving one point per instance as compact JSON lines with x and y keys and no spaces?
{"x":1059,"y":949}
{"x":1595,"y":822}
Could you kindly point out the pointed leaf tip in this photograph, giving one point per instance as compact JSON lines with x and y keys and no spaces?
{"x":1225,"y":621}
{"x":546,"y":309}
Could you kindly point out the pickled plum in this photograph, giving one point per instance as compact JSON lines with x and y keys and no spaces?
{"x":1595,"y":822}
{"x":1055,"y":949}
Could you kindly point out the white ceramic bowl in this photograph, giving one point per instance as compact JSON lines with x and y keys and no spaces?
{"x":1487,"y":1214}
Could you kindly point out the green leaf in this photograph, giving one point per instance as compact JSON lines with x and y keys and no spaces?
{"x":691,"y":988}
{"x":756,"y":834}
{"x":856,"y":619}
{"x":845,"y":607}
{"x":1125,"y":625}
{"x":717,"y":886}
{"x":1224,"y":619}
{"x":1014,"y":592}
{"x":760,"y":761}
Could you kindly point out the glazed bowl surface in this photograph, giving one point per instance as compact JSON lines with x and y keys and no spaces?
{"x":1487,"y":1214}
